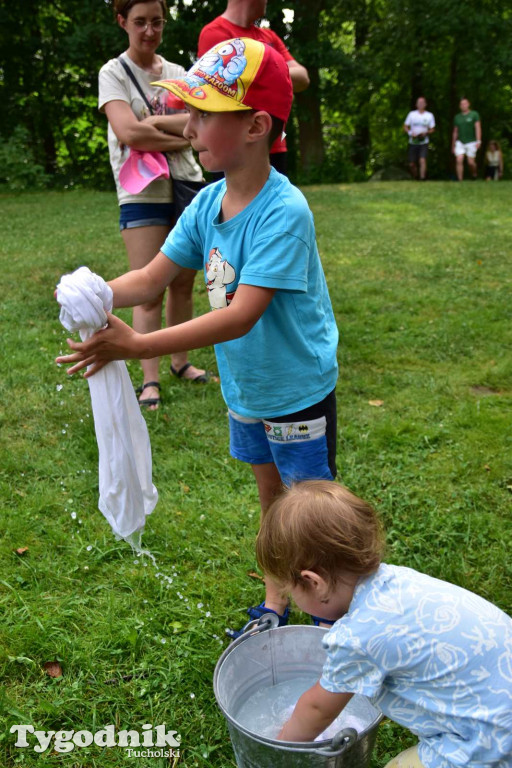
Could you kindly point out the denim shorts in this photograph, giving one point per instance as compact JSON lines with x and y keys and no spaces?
{"x":302,"y":445}
{"x":132,"y":215}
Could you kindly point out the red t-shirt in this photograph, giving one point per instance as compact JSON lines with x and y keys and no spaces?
{"x":221,"y":29}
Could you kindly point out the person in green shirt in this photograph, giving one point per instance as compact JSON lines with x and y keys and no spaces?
{"x":466,"y":138}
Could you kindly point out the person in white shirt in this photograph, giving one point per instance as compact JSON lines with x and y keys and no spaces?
{"x":147,"y":217}
{"x":493,"y":162}
{"x":418,"y":125}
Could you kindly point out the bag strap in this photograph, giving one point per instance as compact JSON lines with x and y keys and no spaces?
{"x":135,"y":82}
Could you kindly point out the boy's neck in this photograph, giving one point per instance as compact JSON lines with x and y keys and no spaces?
{"x":242,"y":186}
{"x":344,"y":591}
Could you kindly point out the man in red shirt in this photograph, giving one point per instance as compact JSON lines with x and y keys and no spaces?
{"x":238,"y":21}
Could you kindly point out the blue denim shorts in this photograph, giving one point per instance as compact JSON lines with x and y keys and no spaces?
{"x":132,"y":215}
{"x":302,"y":445}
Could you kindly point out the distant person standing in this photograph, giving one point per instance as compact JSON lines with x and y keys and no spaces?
{"x":238,"y":20}
{"x":466,"y":139}
{"x":419,"y":124}
{"x":493,"y":162}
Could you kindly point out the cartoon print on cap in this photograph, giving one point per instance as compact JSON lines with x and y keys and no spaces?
{"x":193,"y":87}
{"x":228,"y":62}
{"x":221,"y":67}
{"x":219,"y":274}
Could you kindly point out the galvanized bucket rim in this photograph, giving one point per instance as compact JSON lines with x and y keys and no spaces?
{"x":267,"y":624}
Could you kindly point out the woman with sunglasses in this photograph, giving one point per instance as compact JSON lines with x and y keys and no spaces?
{"x":147,"y":217}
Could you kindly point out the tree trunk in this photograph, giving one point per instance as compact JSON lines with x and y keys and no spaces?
{"x":454,"y":108}
{"x":361,"y":137}
{"x":306,"y":26}
{"x":311,"y":141}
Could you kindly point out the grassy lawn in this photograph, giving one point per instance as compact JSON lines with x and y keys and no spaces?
{"x":420,"y":280}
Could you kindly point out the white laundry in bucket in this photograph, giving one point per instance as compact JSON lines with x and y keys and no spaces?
{"x":268,"y":709}
{"x":127,"y":493}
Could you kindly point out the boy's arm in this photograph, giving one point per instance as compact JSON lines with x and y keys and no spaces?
{"x":140,"y":286}
{"x":315,"y":710}
{"x":120,"y":342}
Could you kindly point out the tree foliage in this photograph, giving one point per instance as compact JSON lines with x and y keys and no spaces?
{"x":368,"y":61}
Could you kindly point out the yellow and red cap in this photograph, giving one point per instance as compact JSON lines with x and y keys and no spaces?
{"x":237,"y":74}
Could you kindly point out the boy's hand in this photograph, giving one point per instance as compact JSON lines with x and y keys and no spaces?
{"x":115,"y":342}
{"x":315,"y":710}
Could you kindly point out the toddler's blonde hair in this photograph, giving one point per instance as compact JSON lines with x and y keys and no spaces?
{"x":320,"y":526}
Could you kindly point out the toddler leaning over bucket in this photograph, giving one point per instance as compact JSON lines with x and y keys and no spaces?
{"x":432,"y":656}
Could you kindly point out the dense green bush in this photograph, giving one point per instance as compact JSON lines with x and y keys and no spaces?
{"x":18,"y":168}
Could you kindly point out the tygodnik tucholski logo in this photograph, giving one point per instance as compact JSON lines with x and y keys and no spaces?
{"x":164,"y":743}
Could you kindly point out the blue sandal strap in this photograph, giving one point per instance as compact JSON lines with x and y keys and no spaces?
{"x":257,"y":611}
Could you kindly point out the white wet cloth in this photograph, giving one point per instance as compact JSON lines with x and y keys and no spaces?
{"x":127,"y":493}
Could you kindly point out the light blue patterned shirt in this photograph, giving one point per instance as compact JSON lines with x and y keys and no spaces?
{"x":434,"y":658}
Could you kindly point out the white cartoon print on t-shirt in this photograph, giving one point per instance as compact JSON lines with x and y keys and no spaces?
{"x":219,"y":274}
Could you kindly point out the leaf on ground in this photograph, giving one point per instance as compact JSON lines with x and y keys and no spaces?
{"x":52,"y":668}
{"x":21,"y":551}
{"x":376,"y":403}
{"x":481,"y":390}
{"x":254,"y":575}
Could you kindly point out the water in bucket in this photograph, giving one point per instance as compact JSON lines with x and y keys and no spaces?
{"x":257,"y":682}
{"x":267,"y":710}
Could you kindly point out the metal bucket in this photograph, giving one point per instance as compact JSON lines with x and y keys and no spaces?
{"x":264,"y":656}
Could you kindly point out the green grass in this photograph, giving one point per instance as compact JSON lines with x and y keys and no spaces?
{"x":420,"y":281}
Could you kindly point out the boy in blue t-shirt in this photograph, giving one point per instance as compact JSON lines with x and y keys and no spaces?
{"x":253,"y":234}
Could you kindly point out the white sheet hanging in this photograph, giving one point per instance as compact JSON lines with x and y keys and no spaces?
{"x":127,"y":493}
